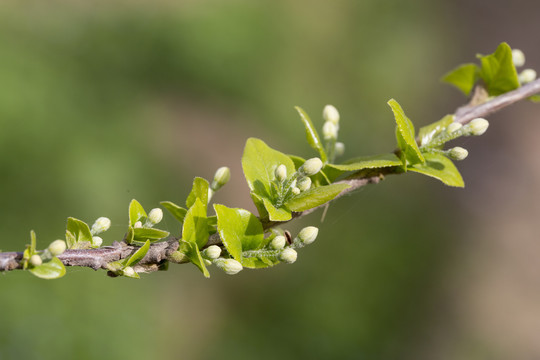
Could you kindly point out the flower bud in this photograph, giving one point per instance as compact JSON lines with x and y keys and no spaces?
{"x":453,"y":127}
{"x":330,"y":131}
{"x":339,"y":149}
{"x":96,"y":241}
{"x":278,"y":242}
{"x":281,"y":173}
{"x":137,"y":225}
{"x":207,"y":262}
{"x":102,"y":224}
{"x":526,"y":76}
{"x":330,"y":114}
{"x":458,"y":153}
{"x":478,"y":126}
{"x":288,"y":255}
{"x":212,"y":252}
{"x":295,"y":190}
{"x":518,"y":57}
{"x":155,"y":216}
{"x":222,"y":176}
{"x":304,"y":184}
{"x":308,"y":235}
{"x":35,"y":260}
{"x":128,"y":271}
{"x":230,"y":266}
{"x":57,"y":247}
{"x":310,"y":167}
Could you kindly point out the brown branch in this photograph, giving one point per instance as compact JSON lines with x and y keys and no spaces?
{"x":162,"y":251}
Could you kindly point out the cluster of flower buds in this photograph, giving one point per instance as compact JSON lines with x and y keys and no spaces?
{"x":527,"y":75}
{"x":101,"y":225}
{"x":330,"y":131}
{"x":55,"y":248}
{"x":296,"y":183}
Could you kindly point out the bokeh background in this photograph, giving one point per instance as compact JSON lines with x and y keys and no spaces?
{"x":105,"y":101}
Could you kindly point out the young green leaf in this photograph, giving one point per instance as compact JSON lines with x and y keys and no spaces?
{"x":194,"y":255}
{"x":130,"y":235}
{"x":198,"y":191}
{"x":439,"y":167}
{"x":463,"y":77}
{"x":177,"y":211}
{"x":315,"y":197}
{"x":195,"y":228}
{"x":137,"y":255}
{"x":405,"y":134}
{"x":428,"y":132}
{"x":136,"y":212}
{"x":498,"y":71}
{"x":312,"y":136}
{"x":260,"y":262}
{"x":52,"y":269}
{"x":78,"y":234}
{"x":143,"y":234}
{"x":333,"y":171}
{"x":276,"y":214}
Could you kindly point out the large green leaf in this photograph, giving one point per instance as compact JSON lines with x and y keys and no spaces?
{"x":177,"y":211}
{"x":311,"y":134}
{"x":361,"y":163}
{"x":136,"y":212}
{"x":78,"y":235}
{"x":463,"y":77}
{"x":439,"y":167}
{"x":195,"y":228}
{"x":198,"y":191}
{"x":405,"y":134}
{"x":315,"y":197}
{"x":52,"y":269}
{"x":194,"y":255}
{"x":498,"y":71}
{"x":428,"y":132}
{"x":137,"y":255}
{"x":143,"y":234}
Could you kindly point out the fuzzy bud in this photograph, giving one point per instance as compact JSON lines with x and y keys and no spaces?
{"x":339,"y":149}
{"x":330,"y":114}
{"x":212,"y":252}
{"x":295,"y":190}
{"x":96,"y":241}
{"x":453,"y":127}
{"x":308,"y":235}
{"x":137,"y":225}
{"x":458,"y":153}
{"x":281,"y":173}
{"x":278,"y":242}
{"x":128,"y":271}
{"x":222,"y":176}
{"x":526,"y":76}
{"x":230,"y":266}
{"x":35,"y":260}
{"x":310,"y":167}
{"x":155,"y":216}
{"x":57,"y":247}
{"x":518,"y":57}
{"x":288,"y":255}
{"x":304,"y":184}
{"x":478,"y":126}
{"x":330,"y":131}
{"x":102,"y":224}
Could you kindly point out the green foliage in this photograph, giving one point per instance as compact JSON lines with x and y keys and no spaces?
{"x":177,"y":211}
{"x":427,"y":133}
{"x":137,"y":255}
{"x":312,"y":136}
{"x":198,"y":191}
{"x":315,"y":197}
{"x":78,"y":234}
{"x":195,"y":228}
{"x":136,"y":212}
{"x":410,"y":153}
{"x":52,"y":269}
{"x":441,"y":168}
{"x":463,"y":77}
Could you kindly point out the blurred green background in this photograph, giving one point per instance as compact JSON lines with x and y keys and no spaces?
{"x":105,"y":101}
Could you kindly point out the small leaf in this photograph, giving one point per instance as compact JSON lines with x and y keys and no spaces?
{"x":428,"y":132}
{"x":195,"y":228}
{"x":361,"y":163}
{"x":177,"y":211}
{"x":192,"y":252}
{"x":32,"y":242}
{"x":315,"y":197}
{"x":52,"y":269}
{"x":143,"y":234}
{"x":137,"y":255}
{"x":405,"y":134}
{"x":498,"y":71}
{"x":259,"y":204}
{"x":258,"y":262}
{"x":311,"y":134}
{"x":439,"y":167}
{"x":463,"y":77}
{"x":198,"y":191}
{"x":130,"y":235}
{"x":78,"y":234}
{"x":276,"y":214}
{"x":136,"y":212}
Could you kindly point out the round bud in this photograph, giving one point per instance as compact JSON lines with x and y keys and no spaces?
{"x":478,"y":126}
{"x":57,"y":247}
{"x":458,"y":153}
{"x":310,"y":167}
{"x":453,"y":127}
{"x":330,"y":131}
{"x":155,"y":216}
{"x":128,"y":271}
{"x":304,"y":184}
{"x":339,"y":149}
{"x":278,"y":242}
{"x":330,"y":114}
{"x":35,"y":260}
{"x":295,"y":190}
{"x":96,"y":241}
{"x":518,"y":57}
{"x":137,"y":225}
{"x":230,"y":266}
{"x":526,"y":76}
{"x":207,"y":262}
{"x":102,"y":224}
{"x":288,"y":255}
{"x":212,"y":252}
{"x":222,"y":176}
{"x":308,"y":235}
{"x":281,"y":172}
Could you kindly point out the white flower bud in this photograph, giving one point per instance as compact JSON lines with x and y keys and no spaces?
{"x":526,"y":76}
{"x":96,"y":241}
{"x":57,"y":247}
{"x":222,"y":176}
{"x":330,"y":131}
{"x":458,"y":153}
{"x":212,"y":252}
{"x":278,"y":242}
{"x":304,"y":184}
{"x":453,"y":127}
{"x":295,"y":190}
{"x":310,"y":167}
{"x":128,"y":271}
{"x":207,"y":262}
{"x":288,"y":255}
{"x":137,"y":225}
{"x":230,"y":266}
{"x":331,"y":114}
{"x":478,"y":126}
{"x":308,"y":235}
{"x":281,"y":172}
{"x":35,"y":260}
{"x":155,"y":216}
{"x":518,"y":57}
{"x":339,"y":148}
{"x":102,"y":224}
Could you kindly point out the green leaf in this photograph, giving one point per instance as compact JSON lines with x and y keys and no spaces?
{"x":276,"y":214}
{"x":143,"y":234}
{"x":259,"y":163}
{"x":195,"y":228}
{"x":32,"y":242}
{"x":405,"y":134}
{"x":361,"y":163}
{"x":311,"y":134}
{"x":463,"y":77}
{"x":78,"y":234}
{"x":428,"y":132}
{"x":258,"y":262}
{"x":136,"y":212}
{"x":315,"y":197}
{"x":439,"y":167}
{"x":130,"y":235}
{"x":498,"y":71}
{"x":239,"y":230}
{"x":194,"y":255}
{"x":52,"y":269}
{"x":177,"y":211}
{"x":198,"y":191}
{"x":259,"y":204}
{"x":137,"y":255}
{"x":535,"y":98}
